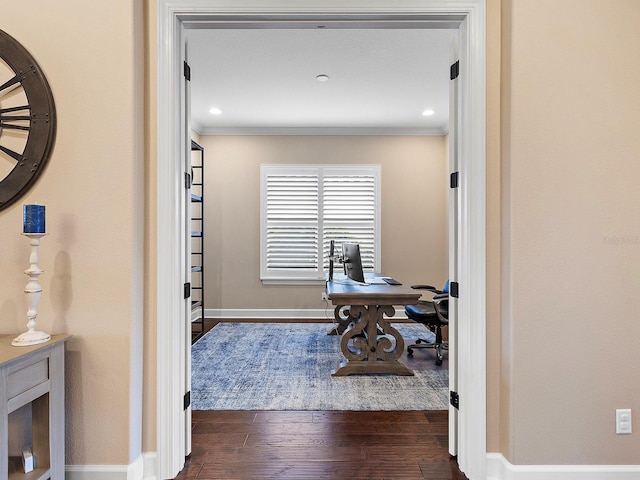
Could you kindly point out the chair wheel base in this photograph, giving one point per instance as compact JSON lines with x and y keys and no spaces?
{"x":422,"y":343}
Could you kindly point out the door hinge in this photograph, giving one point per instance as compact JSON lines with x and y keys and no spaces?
{"x":187,"y":400}
{"x":187,"y":71}
{"x":454,"y":399}
{"x":454,"y":180}
{"x":187,"y":290}
{"x":455,"y":70}
{"x":454,"y":289}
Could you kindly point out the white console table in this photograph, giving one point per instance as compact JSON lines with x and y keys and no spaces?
{"x":34,"y":375}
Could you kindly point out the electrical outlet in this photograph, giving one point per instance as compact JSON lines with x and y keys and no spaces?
{"x":325,"y":297}
{"x":623,"y":421}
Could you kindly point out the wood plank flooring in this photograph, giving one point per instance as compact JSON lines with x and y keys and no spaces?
{"x":332,"y":445}
{"x":248,"y":445}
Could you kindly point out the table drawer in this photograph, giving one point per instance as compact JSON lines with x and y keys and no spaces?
{"x":19,"y":381}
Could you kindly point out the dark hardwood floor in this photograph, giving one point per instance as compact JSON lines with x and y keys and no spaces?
{"x":261,"y":445}
{"x":247,"y":445}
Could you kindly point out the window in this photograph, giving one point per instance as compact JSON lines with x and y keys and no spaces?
{"x":305,"y":207}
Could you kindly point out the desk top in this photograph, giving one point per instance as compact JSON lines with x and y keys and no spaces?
{"x":342,"y":292}
{"x":8,"y":352}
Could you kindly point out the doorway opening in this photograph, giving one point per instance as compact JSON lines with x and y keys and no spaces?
{"x":411,"y":68}
{"x":470,"y":18}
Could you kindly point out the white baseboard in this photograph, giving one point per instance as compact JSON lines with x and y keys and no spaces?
{"x":284,"y":314}
{"x":150,"y":466}
{"x":268,"y":314}
{"x":135,"y":471}
{"x":499,"y":468}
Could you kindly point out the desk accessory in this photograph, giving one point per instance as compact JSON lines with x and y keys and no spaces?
{"x":34,"y":229}
{"x":28,"y":463}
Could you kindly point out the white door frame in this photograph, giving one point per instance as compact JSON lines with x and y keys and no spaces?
{"x":470,"y":15}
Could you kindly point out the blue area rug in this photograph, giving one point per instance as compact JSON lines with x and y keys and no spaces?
{"x":287,"y":366}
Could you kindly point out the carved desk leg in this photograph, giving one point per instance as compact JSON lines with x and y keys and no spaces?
{"x":366,"y":349}
{"x":342,"y":314}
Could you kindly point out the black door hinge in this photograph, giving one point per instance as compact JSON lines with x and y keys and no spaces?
{"x":454,"y":289}
{"x":455,"y":70}
{"x":454,"y":399}
{"x":187,"y":180}
{"x":454,"y":180}
{"x":187,"y":71}
{"x":187,"y":290}
{"x":187,"y":400}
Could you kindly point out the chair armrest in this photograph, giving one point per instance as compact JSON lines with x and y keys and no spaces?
{"x":426,"y":287}
{"x":441,"y":305}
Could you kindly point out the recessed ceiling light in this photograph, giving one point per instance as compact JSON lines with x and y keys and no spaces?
{"x":428,"y":112}
{"x":215,"y":111}
{"x":322,"y":78}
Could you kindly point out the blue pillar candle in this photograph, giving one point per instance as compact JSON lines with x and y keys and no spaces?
{"x":33,"y":219}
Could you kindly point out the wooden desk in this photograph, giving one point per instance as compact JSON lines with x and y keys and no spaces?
{"x":34,"y":375}
{"x":366,"y":345}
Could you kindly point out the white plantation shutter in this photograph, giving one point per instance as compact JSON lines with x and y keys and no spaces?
{"x":305,"y":207}
{"x":292,"y":222}
{"x":350,"y":205}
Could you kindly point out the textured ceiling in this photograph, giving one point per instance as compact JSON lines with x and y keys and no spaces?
{"x":264,"y":80}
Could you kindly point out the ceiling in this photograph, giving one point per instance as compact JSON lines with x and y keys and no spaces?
{"x":264,"y":80}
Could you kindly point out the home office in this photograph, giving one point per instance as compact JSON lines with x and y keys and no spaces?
{"x":413,"y":172}
{"x":281,"y":364}
{"x":248,"y":168}
{"x":413,"y":191}
{"x":311,"y":123}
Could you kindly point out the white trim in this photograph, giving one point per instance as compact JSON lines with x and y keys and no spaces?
{"x":170,"y":456}
{"x":471,"y":313}
{"x":150,"y":460}
{"x":472,"y":451}
{"x":280,"y":314}
{"x":135,"y":471}
{"x":422,"y":132}
{"x":499,"y":468}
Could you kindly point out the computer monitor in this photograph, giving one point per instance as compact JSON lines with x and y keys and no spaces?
{"x":352,"y":262}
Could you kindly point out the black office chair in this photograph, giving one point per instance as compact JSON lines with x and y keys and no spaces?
{"x":434,"y":315}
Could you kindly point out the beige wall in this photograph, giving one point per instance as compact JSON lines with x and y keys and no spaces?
{"x":93,"y":191}
{"x":414,"y":211}
{"x":493,"y":224}
{"x":150,"y":353}
{"x":571,"y":245}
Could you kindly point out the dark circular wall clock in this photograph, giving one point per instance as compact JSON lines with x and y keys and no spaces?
{"x":27,"y":120}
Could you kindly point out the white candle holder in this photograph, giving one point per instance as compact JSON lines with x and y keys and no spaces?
{"x":33,"y":291}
